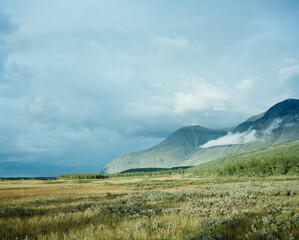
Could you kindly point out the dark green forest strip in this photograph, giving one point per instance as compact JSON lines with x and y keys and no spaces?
{"x":70,"y":176}
{"x":146,"y":170}
{"x":28,"y":178}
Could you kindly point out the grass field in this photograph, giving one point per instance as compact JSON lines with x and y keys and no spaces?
{"x":170,"y":207}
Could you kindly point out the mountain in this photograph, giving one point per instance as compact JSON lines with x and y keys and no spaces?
{"x":284,"y":114}
{"x":193,"y":145}
{"x":278,"y":125}
{"x":169,"y":153}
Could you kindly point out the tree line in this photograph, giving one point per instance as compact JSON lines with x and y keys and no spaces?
{"x":274,"y":165}
{"x":70,"y":176}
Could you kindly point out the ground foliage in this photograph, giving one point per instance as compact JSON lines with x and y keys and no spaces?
{"x":275,"y":160}
{"x":70,"y":176}
{"x":169,"y":207}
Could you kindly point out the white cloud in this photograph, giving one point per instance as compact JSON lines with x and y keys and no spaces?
{"x":288,"y":73}
{"x":184,"y":102}
{"x":244,"y":137}
{"x":199,"y":96}
{"x":289,"y":61}
{"x":245,"y":84}
{"x":274,"y":125}
{"x":219,"y":107}
{"x":232,"y":139}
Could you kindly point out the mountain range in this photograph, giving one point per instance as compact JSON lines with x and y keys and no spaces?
{"x":193,"y":145}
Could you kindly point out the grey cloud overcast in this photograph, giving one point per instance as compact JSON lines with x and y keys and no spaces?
{"x":83,"y":82}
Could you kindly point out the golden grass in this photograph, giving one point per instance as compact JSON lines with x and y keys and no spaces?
{"x":172,"y":207}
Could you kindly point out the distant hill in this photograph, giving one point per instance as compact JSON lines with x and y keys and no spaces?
{"x":169,"y":153}
{"x":193,"y":145}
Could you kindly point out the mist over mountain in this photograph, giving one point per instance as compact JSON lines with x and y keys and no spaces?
{"x":192,"y":145}
{"x":260,"y":128}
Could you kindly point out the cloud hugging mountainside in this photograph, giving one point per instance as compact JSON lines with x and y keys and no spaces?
{"x":192,"y":145}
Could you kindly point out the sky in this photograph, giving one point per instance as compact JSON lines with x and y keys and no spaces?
{"x":84,"y":82}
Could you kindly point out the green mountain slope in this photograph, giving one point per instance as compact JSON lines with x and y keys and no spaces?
{"x":279,"y":159}
{"x":208,"y":154}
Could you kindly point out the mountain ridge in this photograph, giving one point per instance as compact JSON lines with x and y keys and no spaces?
{"x":168,"y":153}
{"x":280,"y":123}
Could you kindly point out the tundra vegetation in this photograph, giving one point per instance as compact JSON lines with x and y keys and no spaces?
{"x":243,"y":196}
{"x":176,"y":206}
{"x":275,"y":160}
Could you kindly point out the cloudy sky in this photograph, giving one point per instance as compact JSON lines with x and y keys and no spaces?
{"x":83,"y":82}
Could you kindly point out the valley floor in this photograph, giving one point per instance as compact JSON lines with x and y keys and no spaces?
{"x":170,"y":207}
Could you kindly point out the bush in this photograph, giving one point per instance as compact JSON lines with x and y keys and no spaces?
{"x":69,"y":176}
